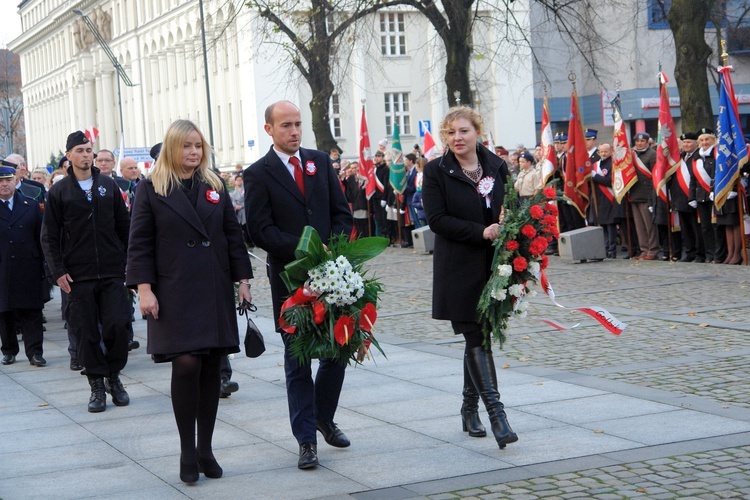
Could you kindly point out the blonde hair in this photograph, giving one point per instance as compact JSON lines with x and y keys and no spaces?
{"x":456,"y":113}
{"x":166,"y":174}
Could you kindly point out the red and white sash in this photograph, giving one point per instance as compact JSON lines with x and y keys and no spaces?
{"x":639,"y":165}
{"x":606,"y":191}
{"x":701,"y":175}
{"x":683,"y":176}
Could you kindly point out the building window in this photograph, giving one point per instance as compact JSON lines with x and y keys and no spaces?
{"x":392,"y":34}
{"x":657,"y":14}
{"x":397,"y":111}
{"x":334,"y":113}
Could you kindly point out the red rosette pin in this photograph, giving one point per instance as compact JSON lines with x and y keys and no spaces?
{"x":310,"y":167}
{"x":485,"y":187}
{"x":212,"y":196}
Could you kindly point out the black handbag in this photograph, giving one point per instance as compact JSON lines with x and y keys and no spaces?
{"x":254,"y":343}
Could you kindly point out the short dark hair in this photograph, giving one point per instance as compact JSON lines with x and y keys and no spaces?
{"x":412,"y":157}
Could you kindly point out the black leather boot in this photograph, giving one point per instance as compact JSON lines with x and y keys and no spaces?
{"x":470,"y":407}
{"x":98,"y":399}
{"x":481,"y":367}
{"x":114,"y":387}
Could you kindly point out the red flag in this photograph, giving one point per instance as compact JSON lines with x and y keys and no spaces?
{"x":577,"y":163}
{"x":91,"y":134}
{"x":623,"y":166}
{"x":667,"y":152}
{"x":366,"y":167}
{"x":550,"y":157}
{"x":429,"y":145}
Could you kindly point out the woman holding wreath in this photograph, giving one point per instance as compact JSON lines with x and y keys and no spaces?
{"x":185,"y":251}
{"x":463,"y":193}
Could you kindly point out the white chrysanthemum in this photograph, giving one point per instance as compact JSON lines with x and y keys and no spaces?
{"x":522,"y":305}
{"x":504,"y":270}
{"x":534,"y":267}
{"x":516,"y":290}
{"x":499,"y":294}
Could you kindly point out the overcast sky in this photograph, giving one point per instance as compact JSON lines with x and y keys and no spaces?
{"x":11,"y":26}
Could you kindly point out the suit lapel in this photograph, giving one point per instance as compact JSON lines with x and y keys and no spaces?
{"x":205,"y":207}
{"x":20,"y":206}
{"x":278,"y":171}
{"x":178,"y":201}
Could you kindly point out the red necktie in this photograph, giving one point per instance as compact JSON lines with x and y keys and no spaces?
{"x":298,"y":178}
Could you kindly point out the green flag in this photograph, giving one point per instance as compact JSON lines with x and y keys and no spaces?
{"x":398,"y":172}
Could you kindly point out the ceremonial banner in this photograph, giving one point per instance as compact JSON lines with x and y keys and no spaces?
{"x":732,"y":150}
{"x":398,"y":171}
{"x":366,"y":167}
{"x":577,"y":163}
{"x":429,"y":145}
{"x":623,"y":167}
{"x":549,"y":158}
{"x":667,"y":151}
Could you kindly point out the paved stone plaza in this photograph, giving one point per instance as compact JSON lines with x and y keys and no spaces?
{"x":662,"y":411}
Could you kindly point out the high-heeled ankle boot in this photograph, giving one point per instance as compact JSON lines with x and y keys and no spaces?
{"x":189,"y":469}
{"x":481,"y":367}
{"x":470,"y":407}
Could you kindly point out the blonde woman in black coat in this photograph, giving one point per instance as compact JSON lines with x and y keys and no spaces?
{"x":463,"y":194}
{"x":185,"y":252}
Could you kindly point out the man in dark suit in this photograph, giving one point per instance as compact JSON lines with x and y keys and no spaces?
{"x":21,"y":271}
{"x":286,"y":190}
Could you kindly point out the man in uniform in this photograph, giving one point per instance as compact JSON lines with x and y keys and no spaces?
{"x":679,"y":188}
{"x":642,"y":198}
{"x":84,"y":237}
{"x":280,"y":200}
{"x":21,"y":272}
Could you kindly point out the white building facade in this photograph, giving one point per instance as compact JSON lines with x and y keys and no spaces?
{"x":70,"y":84}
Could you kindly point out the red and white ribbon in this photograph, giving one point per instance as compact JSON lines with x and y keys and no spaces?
{"x":601,"y":315}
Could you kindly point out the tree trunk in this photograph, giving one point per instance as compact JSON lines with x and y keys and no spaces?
{"x":457,"y":70}
{"x":687,"y":20}
{"x":318,"y":76}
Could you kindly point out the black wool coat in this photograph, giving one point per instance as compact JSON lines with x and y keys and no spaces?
{"x":21,"y":269}
{"x":191,"y":256}
{"x":604,"y":211}
{"x":277,"y":212}
{"x":455,"y":213}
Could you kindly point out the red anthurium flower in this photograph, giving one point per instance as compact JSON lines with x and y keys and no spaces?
{"x":290,"y":329}
{"x":319,"y":311}
{"x":528,"y":231}
{"x":536,"y":212}
{"x":520,"y":264}
{"x":549,"y":193}
{"x":343,"y":330}
{"x":367,"y":317}
{"x":512,"y":245}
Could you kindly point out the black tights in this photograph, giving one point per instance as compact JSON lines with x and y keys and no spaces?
{"x":472,"y":333}
{"x":195,"y":398}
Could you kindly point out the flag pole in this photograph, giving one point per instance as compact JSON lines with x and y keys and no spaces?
{"x":669,"y":205}
{"x":738,"y":186}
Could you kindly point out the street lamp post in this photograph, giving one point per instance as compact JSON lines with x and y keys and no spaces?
{"x":208,"y":89}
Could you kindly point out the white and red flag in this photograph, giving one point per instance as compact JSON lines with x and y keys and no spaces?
{"x":667,"y":151}
{"x":366,"y":166}
{"x":91,"y":133}
{"x":623,"y":166}
{"x":429,"y":145}
{"x":549,"y":158}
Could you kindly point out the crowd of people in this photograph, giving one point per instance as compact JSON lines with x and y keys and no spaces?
{"x":102,"y":237}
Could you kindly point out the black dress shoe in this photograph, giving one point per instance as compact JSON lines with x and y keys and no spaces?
{"x":189,"y":471}
{"x":9,"y":359}
{"x":228,"y":387}
{"x":699,"y":260}
{"x":210,"y":468}
{"x":133,"y":344}
{"x":37,"y":360}
{"x":332,"y":434}
{"x":75,"y":365}
{"x":687,"y":259}
{"x":308,"y":456}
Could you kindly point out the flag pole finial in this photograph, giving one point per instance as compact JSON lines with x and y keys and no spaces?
{"x":724,"y":53}
{"x":457,"y":97}
{"x":544,"y":87}
{"x":363,"y":101}
{"x":572,"y":77}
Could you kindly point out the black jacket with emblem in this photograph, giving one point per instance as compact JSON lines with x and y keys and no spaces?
{"x":21,"y":270}
{"x":456,"y":213}
{"x":191,"y":256}
{"x":86,"y":239}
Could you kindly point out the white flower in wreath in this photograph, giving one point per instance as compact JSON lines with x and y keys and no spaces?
{"x":499,"y":294}
{"x":534,"y":267}
{"x":504,"y":270}
{"x":516,"y":290}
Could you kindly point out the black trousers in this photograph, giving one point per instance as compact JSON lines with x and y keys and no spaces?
{"x":714,"y":238}
{"x":30,"y":321}
{"x":691,"y":238}
{"x":89,"y":302}
{"x":310,"y":400}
